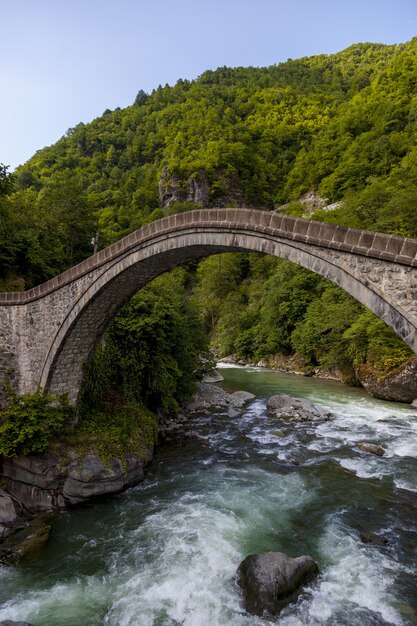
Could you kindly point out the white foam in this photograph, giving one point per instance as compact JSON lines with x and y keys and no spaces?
{"x":408,"y":485}
{"x":369,"y":468}
{"x":354,"y":578}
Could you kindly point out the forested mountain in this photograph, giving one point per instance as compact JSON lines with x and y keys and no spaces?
{"x":343,"y":126}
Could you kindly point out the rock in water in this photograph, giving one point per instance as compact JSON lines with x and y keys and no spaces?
{"x":400,"y":384}
{"x":372,"y":448}
{"x":238,"y":399}
{"x":273,"y":580}
{"x":299,"y":409}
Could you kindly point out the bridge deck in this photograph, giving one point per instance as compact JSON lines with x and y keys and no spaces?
{"x":401,"y":250}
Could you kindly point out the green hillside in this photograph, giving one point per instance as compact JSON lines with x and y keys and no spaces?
{"x":342,"y":127}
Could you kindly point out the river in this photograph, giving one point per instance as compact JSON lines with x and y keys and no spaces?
{"x":165,"y":552}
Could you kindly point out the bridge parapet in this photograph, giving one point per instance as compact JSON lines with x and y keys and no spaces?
{"x":375,"y":245}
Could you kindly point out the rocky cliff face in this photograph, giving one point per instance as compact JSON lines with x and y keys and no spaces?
{"x":196,"y":189}
{"x":173,"y":189}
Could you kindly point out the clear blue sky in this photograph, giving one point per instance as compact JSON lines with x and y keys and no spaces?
{"x":66,"y":61}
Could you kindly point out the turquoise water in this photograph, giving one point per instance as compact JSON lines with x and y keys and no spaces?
{"x":165,"y":553}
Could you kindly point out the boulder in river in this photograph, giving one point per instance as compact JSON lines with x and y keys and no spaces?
{"x":399,"y":384}
{"x":373,"y":538}
{"x":56,"y":479}
{"x":371,"y":448}
{"x":207,"y":397}
{"x":298,"y":409}
{"x":273,"y":580}
{"x":237,"y":401}
{"x":210,"y":397}
{"x":26,"y":541}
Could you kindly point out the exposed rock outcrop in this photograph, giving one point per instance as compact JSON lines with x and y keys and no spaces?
{"x":400,"y":384}
{"x":198,"y":188}
{"x":312,"y":202}
{"x":170,"y":189}
{"x":60,"y":478}
{"x":298,"y":409}
{"x":273,"y":580}
{"x":173,"y":189}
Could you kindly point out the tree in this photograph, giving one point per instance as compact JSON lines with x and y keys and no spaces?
{"x":7,"y":181}
{"x":141,"y":97}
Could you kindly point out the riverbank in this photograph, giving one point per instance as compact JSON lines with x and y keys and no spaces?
{"x":34,"y":486}
{"x":66,"y":475}
{"x":398,"y":384}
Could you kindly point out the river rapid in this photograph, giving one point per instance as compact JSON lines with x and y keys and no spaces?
{"x":165,"y":553}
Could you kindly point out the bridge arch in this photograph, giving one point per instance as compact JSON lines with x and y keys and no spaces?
{"x":85,"y":322}
{"x":49,"y":332}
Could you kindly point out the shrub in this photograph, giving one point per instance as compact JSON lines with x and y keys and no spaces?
{"x":31,"y":421}
{"x":127,"y":427}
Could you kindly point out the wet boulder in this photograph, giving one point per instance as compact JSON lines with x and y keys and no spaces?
{"x":238,"y":401}
{"x":373,"y":538}
{"x":211,"y":397}
{"x":239,"y":398}
{"x":90,"y":477}
{"x":26,"y":541}
{"x":298,"y":409}
{"x":271,"y":581}
{"x":207,"y":397}
{"x":371,"y":448}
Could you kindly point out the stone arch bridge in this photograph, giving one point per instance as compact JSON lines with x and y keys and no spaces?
{"x":50,"y":331}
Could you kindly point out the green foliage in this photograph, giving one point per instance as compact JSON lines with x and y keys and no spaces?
{"x":288,"y":293}
{"x":320,"y":337}
{"x":153,"y":351}
{"x":370,"y":341}
{"x":128,"y":428}
{"x":7,"y":182}
{"x":262,"y":136}
{"x":31,"y":421}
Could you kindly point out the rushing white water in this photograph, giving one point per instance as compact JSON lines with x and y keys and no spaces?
{"x":165,"y":553}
